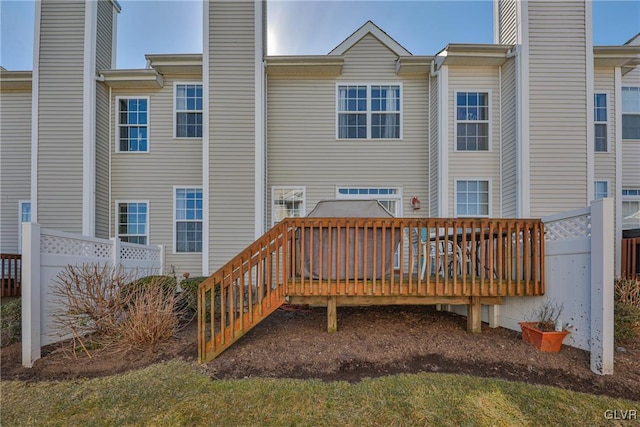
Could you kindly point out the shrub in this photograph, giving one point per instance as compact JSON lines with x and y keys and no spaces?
{"x":10,"y":322}
{"x":626,"y":310}
{"x":190,"y":292}
{"x":167,"y":283}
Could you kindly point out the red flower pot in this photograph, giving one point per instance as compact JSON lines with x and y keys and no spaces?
{"x":547,"y":342}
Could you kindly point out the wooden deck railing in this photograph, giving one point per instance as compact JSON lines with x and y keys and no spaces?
{"x":372,"y":261}
{"x":10,"y":275}
{"x":630,"y":267}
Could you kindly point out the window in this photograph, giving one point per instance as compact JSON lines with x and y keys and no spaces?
{"x":472,"y":198}
{"x":390,"y":198}
{"x":600,"y":119}
{"x":24,"y":212}
{"x":133,"y":221}
{"x":188,"y":110}
{"x":601,"y":190}
{"x":472,"y":121}
{"x":369,"y":112}
{"x":287,"y":202}
{"x":630,"y":208}
{"x":188,"y":216}
{"x":631,"y":113}
{"x":133,"y":123}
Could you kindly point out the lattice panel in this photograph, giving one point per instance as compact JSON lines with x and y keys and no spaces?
{"x":138,"y":253}
{"x":568,"y":229}
{"x":57,"y":245}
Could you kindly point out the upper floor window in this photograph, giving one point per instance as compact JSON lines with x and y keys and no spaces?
{"x":287,"y":202}
{"x":133,"y":222}
{"x":630,"y":208}
{"x":600,"y":119}
{"x":472,"y":198}
{"x":472,"y":121}
{"x":188,"y":219}
{"x":188,"y":110}
{"x":369,"y":111}
{"x":601,"y":190}
{"x":631,"y":113}
{"x":133,"y":124}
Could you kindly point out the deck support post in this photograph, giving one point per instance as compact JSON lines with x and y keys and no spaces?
{"x":474,"y":315}
{"x":332,"y":314}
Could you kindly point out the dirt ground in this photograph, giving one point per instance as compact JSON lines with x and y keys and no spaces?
{"x":370,"y":342}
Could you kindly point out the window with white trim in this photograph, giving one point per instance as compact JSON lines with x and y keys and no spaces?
{"x":630,"y":208}
{"x":188,"y":106}
{"x":133,"y":222}
{"x":188,"y":219}
{"x":600,"y":189}
{"x":600,"y":120}
{"x":287,"y":202}
{"x":24,"y":212}
{"x":631,"y":112}
{"x":472,"y":198}
{"x":472,"y":121}
{"x":369,"y":111}
{"x":133,"y":124}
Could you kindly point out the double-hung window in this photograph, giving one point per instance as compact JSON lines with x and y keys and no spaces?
{"x":188,"y":219}
{"x":600,"y":120}
{"x":472,"y":121}
{"x":630,"y":208}
{"x":472,"y":198}
{"x":287,"y":202}
{"x":631,"y":112}
{"x":133,"y":222}
{"x":188,"y":107}
{"x":369,"y":111}
{"x":601,"y":190}
{"x":133,"y":124}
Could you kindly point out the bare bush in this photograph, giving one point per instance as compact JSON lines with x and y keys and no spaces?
{"x":152,"y":316}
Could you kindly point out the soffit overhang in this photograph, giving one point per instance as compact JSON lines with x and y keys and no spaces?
{"x":15,"y":80}
{"x":407,"y":66}
{"x":142,"y":79}
{"x":478,"y":55}
{"x":310,"y":65}
{"x":182,"y":64}
{"x":627,"y":56}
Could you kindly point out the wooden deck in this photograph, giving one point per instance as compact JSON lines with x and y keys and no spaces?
{"x":10,"y":275}
{"x":370,"y":261}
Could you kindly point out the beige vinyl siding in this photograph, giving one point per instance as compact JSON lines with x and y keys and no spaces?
{"x":232,"y":100}
{"x":557,"y":103}
{"x":433,"y":149}
{"x":482,"y":165}
{"x":60,"y":110}
{"x":605,"y":163}
{"x":104,"y":35}
{"x":152,"y":176}
{"x":631,"y":148}
{"x":304,"y":150}
{"x":509,"y":152}
{"x":507,"y":22}
{"x":15,"y":163}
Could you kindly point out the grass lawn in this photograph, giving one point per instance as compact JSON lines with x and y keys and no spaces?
{"x":174,"y":393}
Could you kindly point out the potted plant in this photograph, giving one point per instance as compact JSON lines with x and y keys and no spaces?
{"x":545,"y":331}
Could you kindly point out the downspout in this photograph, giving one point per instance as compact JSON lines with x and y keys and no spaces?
{"x":109,"y":173}
{"x":429,"y":145}
{"x":500,"y":134}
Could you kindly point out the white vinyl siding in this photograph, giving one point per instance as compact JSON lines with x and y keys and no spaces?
{"x":152,"y":176}
{"x":60,"y":147}
{"x":557,"y":85}
{"x":433,"y":148}
{"x":308,"y":153}
{"x":507,"y":22}
{"x":15,"y":163}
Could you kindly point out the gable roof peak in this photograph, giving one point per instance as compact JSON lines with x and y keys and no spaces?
{"x":370,"y":28}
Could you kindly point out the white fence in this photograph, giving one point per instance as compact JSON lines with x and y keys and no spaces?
{"x":45,"y":253}
{"x":579,"y":275}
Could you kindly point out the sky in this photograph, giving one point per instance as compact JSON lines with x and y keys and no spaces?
{"x":303,"y":27}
